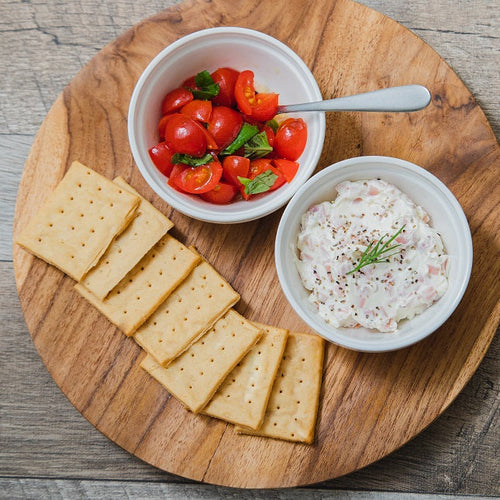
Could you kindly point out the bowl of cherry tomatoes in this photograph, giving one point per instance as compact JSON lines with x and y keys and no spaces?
{"x":204,"y":129}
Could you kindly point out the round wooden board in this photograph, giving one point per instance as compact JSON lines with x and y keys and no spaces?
{"x":371,"y":403}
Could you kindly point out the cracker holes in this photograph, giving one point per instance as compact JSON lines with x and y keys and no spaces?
{"x":179,"y":300}
{"x":82,"y":215}
{"x":253,"y":385}
{"x":278,"y":407}
{"x":39,"y":240}
{"x":138,"y":298}
{"x":119,"y":250}
{"x":149,"y":285}
{"x":111,"y":204}
{"x":292,"y":434}
{"x":185,"y":319}
{"x":51,"y":225}
{"x":303,"y":360}
{"x":124,"y":312}
{"x":181,"y":369}
{"x":212,"y":360}
{"x":160,"y":341}
{"x":298,"y":402}
{"x":228,"y":395}
{"x":99,"y":188}
{"x":155,"y":323}
{"x":61,"y":211}
{"x":300,"y":381}
{"x":275,"y":424}
{"x":93,"y":231}
{"x":249,"y":402}
{"x":204,"y":277}
{"x":201,"y":374}
{"x":79,"y":184}
{"x":72,"y":228}
{"x":101,"y":217}
{"x":71,"y":198}
{"x":192,"y":354}
{"x":233,"y":334}
{"x":256,"y":368}
{"x":198,"y":308}
{"x":222,"y":348}
{"x":91,"y":202}
{"x":120,"y":191}
{"x":190,"y":386}
{"x":174,"y":257}
{"x":160,"y":273}
{"x":259,"y":353}
{"x":83,"y":244}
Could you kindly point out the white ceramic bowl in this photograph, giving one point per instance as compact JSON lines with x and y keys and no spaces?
{"x":276,"y":67}
{"x":447,"y":217}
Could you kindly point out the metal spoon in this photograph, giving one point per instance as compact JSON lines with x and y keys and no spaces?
{"x":392,"y":99}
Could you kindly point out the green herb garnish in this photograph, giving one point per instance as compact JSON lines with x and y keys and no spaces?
{"x":378,"y":253}
{"x":192,"y":161}
{"x":258,"y":146}
{"x":246,"y":132}
{"x":260,"y":184}
{"x":207,"y":88}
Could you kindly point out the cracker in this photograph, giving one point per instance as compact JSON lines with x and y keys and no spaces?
{"x":78,"y":221}
{"x":293,"y":405}
{"x":144,"y":288}
{"x":194,"y":376}
{"x":189,"y":312}
{"x":242,"y":398}
{"x":147,"y":227}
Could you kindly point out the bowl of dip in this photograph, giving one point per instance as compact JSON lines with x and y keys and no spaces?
{"x":335,"y":227}
{"x":277,"y":69}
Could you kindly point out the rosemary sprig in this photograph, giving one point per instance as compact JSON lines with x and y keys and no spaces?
{"x":378,"y":253}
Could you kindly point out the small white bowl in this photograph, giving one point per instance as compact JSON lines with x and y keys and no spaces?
{"x":447,"y":217}
{"x":276,"y":67}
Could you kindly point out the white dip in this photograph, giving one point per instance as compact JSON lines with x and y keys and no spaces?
{"x":332,"y":239}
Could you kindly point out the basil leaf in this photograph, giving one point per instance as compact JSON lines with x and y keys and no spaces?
{"x":258,"y":146}
{"x":246,"y":132}
{"x":273,"y":124}
{"x":260,"y":184}
{"x":192,"y":161}
{"x":207,"y":88}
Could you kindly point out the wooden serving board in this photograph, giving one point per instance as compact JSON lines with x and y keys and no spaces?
{"x":371,"y":403}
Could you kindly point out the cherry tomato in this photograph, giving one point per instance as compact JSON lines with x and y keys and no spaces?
{"x":163,"y":124}
{"x":224,"y":125}
{"x":287,"y":167}
{"x":161,"y":156}
{"x":222,"y":193}
{"x":270,"y":134}
{"x":261,"y":107}
{"x":211,"y":144}
{"x":226,"y":78}
{"x":198,"y":110}
{"x":175,"y":100}
{"x":189,"y":83}
{"x":178,"y":168}
{"x":291,"y":138}
{"x":197,"y":180}
{"x":183,"y":135}
{"x":234,"y":167}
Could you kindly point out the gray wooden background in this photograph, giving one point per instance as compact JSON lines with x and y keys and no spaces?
{"x":48,"y":450}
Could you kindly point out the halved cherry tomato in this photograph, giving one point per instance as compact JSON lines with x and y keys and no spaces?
{"x":161,"y":156}
{"x":178,"y":168}
{"x":211,"y":144}
{"x":259,"y":106}
{"x":198,"y":110}
{"x":224,"y":125}
{"x":197,"y":180}
{"x":189,"y":83}
{"x":287,"y":167}
{"x":163,"y":124}
{"x":175,"y":99}
{"x":226,"y":78}
{"x":222,"y":193}
{"x":183,"y":135}
{"x":234,"y":167}
{"x":291,"y":138}
{"x":270,"y":134}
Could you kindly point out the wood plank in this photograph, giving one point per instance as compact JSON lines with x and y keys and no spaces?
{"x":71,"y":489}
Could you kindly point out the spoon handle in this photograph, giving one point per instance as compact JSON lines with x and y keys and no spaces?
{"x":393,"y":99}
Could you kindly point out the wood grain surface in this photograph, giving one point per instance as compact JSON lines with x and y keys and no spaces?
{"x":187,"y":233}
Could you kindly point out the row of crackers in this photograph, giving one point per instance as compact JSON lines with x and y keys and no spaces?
{"x":176,"y":306}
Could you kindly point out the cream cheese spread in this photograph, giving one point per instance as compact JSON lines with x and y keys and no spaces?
{"x":334,"y":235}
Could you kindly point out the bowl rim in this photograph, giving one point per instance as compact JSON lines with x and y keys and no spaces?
{"x":394,"y":342}
{"x":210,"y":213}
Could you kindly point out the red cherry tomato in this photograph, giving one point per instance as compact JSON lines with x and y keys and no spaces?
{"x":261,"y":107}
{"x":163,"y":124}
{"x":226,"y":78}
{"x":234,"y":167}
{"x":287,"y":167}
{"x":175,"y":100}
{"x":197,"y":180}
{"x":270,"y":134}
{"x":198,"y":110}
{"x":222,"y":193}
{"x":161,"y":156}
{"x":183,"y":135}
{"x":189,"y":83}
{"x":291,"y":138}
{"x":224,"y":125}
{"x":178,"y":168}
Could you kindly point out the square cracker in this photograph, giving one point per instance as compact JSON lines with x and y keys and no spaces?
{"x":146,"y":286}
{"x":78,"y":221}
{"x":293,"y":406}
{"x":194,"y":376}
{"x":189,"y":312}
{"x":243,"y":396}
{"x":147,"y":227}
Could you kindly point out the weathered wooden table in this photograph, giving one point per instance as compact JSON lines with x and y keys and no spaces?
{"x":48,"y":448}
